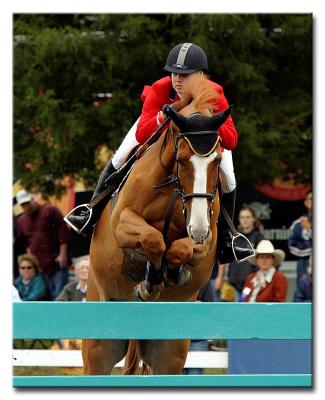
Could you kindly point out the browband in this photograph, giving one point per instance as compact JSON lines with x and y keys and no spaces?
{"x":202,"y":143}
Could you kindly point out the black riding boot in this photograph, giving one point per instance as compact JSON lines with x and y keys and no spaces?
{"x":229,"y":247}
{"x":87,"y":216}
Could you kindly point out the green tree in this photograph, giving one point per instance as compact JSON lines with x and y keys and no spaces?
{"x":262,"y":61}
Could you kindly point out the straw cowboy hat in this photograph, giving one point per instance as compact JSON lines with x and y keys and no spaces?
{"x":266,"y":247}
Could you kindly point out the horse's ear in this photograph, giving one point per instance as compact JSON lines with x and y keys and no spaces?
{"x":220,"y":118}
{"x":178,"y":119}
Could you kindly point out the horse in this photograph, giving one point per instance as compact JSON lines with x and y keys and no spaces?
{"x":137,"y":256}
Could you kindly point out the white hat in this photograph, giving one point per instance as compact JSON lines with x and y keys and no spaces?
{"x":266,"y":247}
{"x":23,"y":197}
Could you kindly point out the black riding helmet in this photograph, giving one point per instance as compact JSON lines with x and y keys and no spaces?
{"x":186,"y":58}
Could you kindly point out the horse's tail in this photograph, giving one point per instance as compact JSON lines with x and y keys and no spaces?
{"x":132,"y":361}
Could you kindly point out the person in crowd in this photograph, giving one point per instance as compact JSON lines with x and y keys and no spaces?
{"x":207,"y":293}
{"x":249,"y":226}
{"x":30,"y":283}
{"x":186,"y":64}
{"x":43,"y":233}
{"x":74,"y":291}
{"x":300,"y":241}
{"x":77,"y":290}
{"x":267,"y":284}
{"x":304,"y":291}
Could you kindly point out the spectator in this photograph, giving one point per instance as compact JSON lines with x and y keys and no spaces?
{"x":43,"y":233}
{"x":300,"y":239}
{"x":74,"y":291}
{"x":267,"y":284}
{"x":304,"y":287}
{"x":207,"y":293}
{"x":77,"y":290}
{"x":249,"y":226}
{"x":30,"y":284}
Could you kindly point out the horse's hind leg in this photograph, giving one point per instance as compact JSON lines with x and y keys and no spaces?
{"x":164,"y":357}
{"x":100,"y":356}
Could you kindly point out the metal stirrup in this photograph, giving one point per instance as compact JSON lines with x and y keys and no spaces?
{"x":72,"y":211}
{"x":247,"y":241}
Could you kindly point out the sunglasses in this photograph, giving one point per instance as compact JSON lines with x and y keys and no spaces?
{"x":29,"y":267}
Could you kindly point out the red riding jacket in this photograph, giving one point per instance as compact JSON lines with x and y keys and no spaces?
{"x":160,"y":93}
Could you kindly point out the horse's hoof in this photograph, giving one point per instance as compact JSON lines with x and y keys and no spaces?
{"x":180,"y":277}
{"x":185,"y":276}
{"x":142,"y":294}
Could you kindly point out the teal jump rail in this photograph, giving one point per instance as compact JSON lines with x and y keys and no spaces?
{"x":297,"y":380}
{"x":119,"y":320}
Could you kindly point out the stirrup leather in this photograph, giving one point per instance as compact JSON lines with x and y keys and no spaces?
{"x":72,"y":211}
{"x":244,"y":249}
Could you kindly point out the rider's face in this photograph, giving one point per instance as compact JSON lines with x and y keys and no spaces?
{"x":182,"y":83}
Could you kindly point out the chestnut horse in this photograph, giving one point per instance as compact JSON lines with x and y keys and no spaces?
{"x":172,"y":261}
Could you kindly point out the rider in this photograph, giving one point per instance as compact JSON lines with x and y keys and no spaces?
{"x":184,"y":60}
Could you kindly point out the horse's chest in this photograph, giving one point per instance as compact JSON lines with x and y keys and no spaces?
{"x":165,"y":210}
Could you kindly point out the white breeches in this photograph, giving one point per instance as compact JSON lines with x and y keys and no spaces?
{"x":228,"y":169}
{"x":130,"y":142}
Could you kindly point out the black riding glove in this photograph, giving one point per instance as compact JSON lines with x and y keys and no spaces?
{"x":167,"y":108}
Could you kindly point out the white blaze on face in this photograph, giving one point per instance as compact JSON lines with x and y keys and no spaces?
{"x":198,"y":227}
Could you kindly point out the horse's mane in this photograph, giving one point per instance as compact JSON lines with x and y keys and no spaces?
{"x":203,"y":97}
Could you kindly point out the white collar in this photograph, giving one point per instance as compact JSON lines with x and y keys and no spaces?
{"x":83,"y":290}
{"x":263,"y":277}
{"x":268,"y":275}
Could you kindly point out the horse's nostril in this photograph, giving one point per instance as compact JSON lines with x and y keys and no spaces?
{"x":199,"y":237}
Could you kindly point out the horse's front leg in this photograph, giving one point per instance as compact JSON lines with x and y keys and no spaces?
{"x":133,"y":231}
{"x":184,"y":251}
{"x":178,"y":254}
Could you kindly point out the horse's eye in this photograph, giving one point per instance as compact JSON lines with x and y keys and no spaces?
{"x":180,"y":161}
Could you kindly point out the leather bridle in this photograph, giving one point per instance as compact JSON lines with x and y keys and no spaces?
{"x":179,"y":188}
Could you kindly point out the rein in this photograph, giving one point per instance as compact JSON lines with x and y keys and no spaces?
{"x":110,"y":182}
